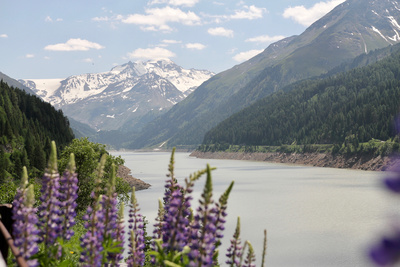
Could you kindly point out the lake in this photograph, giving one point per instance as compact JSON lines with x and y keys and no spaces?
{"x":314,"y":216}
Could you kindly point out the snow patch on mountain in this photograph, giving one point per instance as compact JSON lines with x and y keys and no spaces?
{"x":124,"y":77}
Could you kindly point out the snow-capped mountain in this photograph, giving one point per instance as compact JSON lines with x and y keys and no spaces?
{"x":106,"y":101}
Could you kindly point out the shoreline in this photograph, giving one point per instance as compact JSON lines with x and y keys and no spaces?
{"x":357,"y":162}
{"x":125,"y":173}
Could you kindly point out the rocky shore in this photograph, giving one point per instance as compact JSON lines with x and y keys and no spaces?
{"x":125,"y":173}
{"x":365,"y":162}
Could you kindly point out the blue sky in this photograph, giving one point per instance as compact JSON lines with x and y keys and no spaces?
{"x":56,"y":39}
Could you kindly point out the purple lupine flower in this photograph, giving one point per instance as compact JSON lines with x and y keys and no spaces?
{"x":221,"y":207}
{"x":392,"y":182}
{"x":136,"y":238}
{"x":176,"y":220}
{"x":68,"y":196}
{"x":25,"y":219}
{"x":250,"y":259}
{"x":203,"y":229}
{"x":91,"y":241}
{"x":173,"y":218}
{"x":49,"y":210}
{"x":109,"y":205}
{"x":157,"y":232}
{"x":387,"y":251}
{"x":234,"y":252}
{"x":120,"y":235}
{"x":111,"y":220}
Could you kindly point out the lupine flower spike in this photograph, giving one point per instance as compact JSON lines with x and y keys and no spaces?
{"x":204,"y":228}
{"x":221,"y":207}
{"x":251,"y":257}
{"x":92,"y":240}
{"x":25,"y":219}
{"x":68,"y":196}
{"x":49,"y":210}
{"x":110,"y":214}
{"x":136,"y":240}
{"x":235,"y":250}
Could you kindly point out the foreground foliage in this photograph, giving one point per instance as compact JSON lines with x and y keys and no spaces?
{"x":181,"y":237}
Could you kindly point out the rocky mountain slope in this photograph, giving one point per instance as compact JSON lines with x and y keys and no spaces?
{"x":121,"y":97}
{"x":352,"y":28}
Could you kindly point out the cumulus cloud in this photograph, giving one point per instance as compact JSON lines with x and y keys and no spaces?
{"x":220,"y":31}
{"x":195,"y":46}
{"x":305,"y":16}
{"x":49,"y":19}
{"x":243,"y":56}
{"x":157,"y":19}
{"x":188,"y":3}
{"x":251,"y":12}
{"x":3,"y":35}
{"x":265,"y":39}
{"x":29,"y":55}
{"x":151,"y":53}
{"x":171,"y":41}
{"x":74,"y":45}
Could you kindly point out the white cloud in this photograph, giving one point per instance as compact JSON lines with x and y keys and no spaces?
{"x":49,"y":19}
{"x":243,"y":56}
{"x":156,"y":19}
{"x":3,"y":35}
{"x":74,"y":45}
{"x":88,"y":60}
{"x":151,"y":53}
{"x":196,"y":46}
{"x":305,"y":16}
{"x":220,"y":31}
{"x":265,"y":39}
{"x":188,"y":3}
{"x":29,"y":55}
{"x":251,"y":12}
{"x":171,"y":41}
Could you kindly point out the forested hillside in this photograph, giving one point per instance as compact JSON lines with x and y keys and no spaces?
{"x":27,"y":126}
{"x":360,"y":104}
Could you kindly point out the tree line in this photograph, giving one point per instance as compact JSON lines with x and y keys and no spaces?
{"x":362,"y":104}
{"x":27,"y":127}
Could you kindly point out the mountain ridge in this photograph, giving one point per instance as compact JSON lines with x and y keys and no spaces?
{"x":342,"y":34}
{"x":126,"y":93}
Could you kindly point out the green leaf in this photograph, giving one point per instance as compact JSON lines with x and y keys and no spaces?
{"x":168,"y":263}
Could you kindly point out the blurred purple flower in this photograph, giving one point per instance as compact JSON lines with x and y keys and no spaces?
{"x":392,"y":181}
{"x":387,"y":251}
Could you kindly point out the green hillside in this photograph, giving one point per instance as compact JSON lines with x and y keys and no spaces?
{"x":360,"y":104}
{"x":338,"y":37}
{"x":27,"y":126}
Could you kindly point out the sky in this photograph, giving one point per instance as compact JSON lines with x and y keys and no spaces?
{"x":49,"y":39}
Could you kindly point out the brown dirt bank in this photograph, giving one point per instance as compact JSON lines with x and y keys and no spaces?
{"x":365,"y":162}
{"x":125,"y":173}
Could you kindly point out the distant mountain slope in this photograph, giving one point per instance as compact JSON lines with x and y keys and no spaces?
{"x":352,"y":28}
{"x":360,"y":104}
{"x":12,"y":82}
{"x":126,"y":93}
